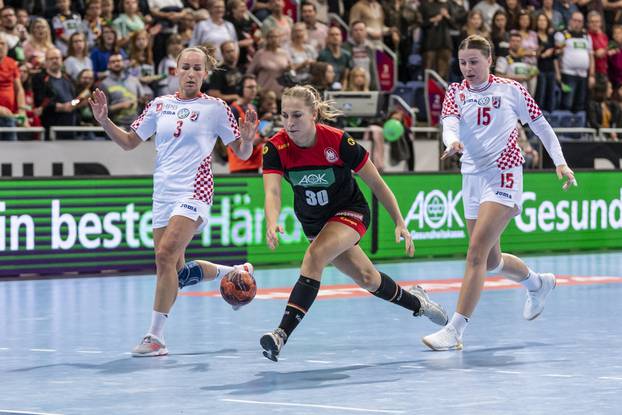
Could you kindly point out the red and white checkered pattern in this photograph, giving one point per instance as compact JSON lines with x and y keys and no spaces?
{"x":532,"y":106}
{"x":450,"y":108}
{"x":511,"y":155}
{"x":140,"y":119}
{"x":204,"y":182}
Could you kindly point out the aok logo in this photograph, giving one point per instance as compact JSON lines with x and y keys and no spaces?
{"x":312,"y":178}
{"x":435,"y":210}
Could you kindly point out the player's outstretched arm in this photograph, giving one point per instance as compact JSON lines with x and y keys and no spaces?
{"x":99,"y":106}
{"x":272,"y":206}
{"x":378,"y":186}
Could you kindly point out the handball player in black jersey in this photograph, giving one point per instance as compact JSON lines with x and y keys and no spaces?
{"x":318,"y":160}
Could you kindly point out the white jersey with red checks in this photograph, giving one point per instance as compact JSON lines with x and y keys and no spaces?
{"x":488,"y":117}
{"x":185,"y":135}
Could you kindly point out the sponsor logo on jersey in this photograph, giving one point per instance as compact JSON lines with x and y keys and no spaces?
{"x":496,"y":102}
{"x":183,"y":113}
{"x":312,"y":178}
{"x":159,"y":106}
{"x":331,"y":155}
{"x":282,"y":146}
{"x":351,"y":141}
{"x":503,"y":194}
{"x":194,"y":115}
{"x":482,"y":102}
{"x":187,"y":206}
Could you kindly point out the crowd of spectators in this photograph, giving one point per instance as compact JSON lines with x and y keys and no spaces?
{"x":53,"y":53}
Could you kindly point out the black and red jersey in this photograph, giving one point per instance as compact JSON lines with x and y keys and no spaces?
{"x":321,"y":175}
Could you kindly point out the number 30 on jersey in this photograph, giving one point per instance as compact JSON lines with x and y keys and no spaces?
{"x":316,"y":198}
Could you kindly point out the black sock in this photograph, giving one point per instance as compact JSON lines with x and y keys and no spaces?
{"x":391,"y":291}
{"x":300,"y":300}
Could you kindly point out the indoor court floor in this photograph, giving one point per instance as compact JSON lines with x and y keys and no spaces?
{"x":64,"y":347}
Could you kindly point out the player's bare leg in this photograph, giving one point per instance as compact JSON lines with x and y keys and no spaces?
{"x":491,"y":221}
{"x":538,"y":286}
{"x":170,"y":243}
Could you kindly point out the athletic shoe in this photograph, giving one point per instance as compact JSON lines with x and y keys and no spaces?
{"x":445,"y":339}
{"x":429,"y":308}
{"x":272,"y":344}
{"x":150,"y":346}
{"x":535,"y":299}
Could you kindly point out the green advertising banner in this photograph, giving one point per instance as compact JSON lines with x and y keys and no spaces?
{"x":78,"y":225}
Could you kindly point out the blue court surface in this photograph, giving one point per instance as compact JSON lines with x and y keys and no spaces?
{"x":64,"y":348}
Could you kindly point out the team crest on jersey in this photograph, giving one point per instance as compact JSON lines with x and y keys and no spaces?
{"x":183,"y":113}
{"x":482,"y":102}
{"x":462,"y":97}
{"x":496,"y":102}
{"x":194,"y":116}
{"x":351,"y":141}
{"x":331,"y":155}
{"x":159,"y":106}
{"x":265,"y":150}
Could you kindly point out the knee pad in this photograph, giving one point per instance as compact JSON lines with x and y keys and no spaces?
{"x":498,"y":268}
{"x":190,"y":274}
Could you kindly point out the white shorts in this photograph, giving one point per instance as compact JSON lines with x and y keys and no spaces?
{"x":504,"y":187}
{"x":189,"y":208}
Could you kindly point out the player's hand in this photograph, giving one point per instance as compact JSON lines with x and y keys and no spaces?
{"x":455,"y":148}
{"x":271,"y":236}
{"x":402,"y":233}
{"x":248,"y":128}
{"x":564,"y":171}
{"x":99,"y":105}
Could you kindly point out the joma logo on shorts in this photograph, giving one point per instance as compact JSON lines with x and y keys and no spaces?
{"x":192,"y":208}
{"x":312,"y":178}
{"x":499,"y":193}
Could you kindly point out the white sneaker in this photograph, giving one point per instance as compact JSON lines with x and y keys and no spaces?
{"x":272,"y":343}
{"x":429,"y":308}
{"x":445,"y":339}
{"x":150,"y":346}
{"x":535,"y":299}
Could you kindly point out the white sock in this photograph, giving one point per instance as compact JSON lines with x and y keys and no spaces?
{"x":532,"y":282}
{"x":459,"y":322}
{"x":222,"y":270}
{"x":157,"y":324}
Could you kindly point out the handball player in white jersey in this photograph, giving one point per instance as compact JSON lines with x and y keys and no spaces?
{"x":479,"y":119}
{"x":186,"y":126}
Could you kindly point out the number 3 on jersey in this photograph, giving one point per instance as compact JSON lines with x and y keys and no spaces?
{"x":177,"y":132}
{"x":483,"y":115}
{"x":316,"y":198}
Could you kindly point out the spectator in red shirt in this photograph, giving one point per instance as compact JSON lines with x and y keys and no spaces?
{"x":12,"y":102}
{"x":600,"y":42}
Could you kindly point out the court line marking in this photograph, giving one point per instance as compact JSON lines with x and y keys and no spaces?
{"x":43,"y":350}
{"x":10,"y":412}
{"x":609,"y":378}
{"x":553,"y":375}
{"x":309,"y":405}
{"x":226,"y":357}
{"x":318,"y":361}
{"x":509,"y":372}
{"x":435,"y":286}
{"x":90,"y":351}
